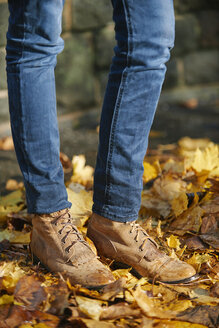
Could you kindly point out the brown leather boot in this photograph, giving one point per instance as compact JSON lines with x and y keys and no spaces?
{"x":130,"y":244}
{"x":60,"y":247}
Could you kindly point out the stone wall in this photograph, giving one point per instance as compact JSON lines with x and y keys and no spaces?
{"x":88,"y":31}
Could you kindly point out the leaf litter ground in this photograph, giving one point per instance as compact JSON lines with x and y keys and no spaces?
{"x":180,"y":209}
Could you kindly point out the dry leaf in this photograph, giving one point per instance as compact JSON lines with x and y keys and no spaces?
{"x":82,"y":174}
{"x":150,"y":172}
{"x":179,"y":204}
{"x":12,"y":184}
{"x":6,"y":143}
{"x":204,"y":160}
{"x":173,"y":242}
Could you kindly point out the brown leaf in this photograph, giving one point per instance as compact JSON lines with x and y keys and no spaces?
{"x":89,"y":323}
{"x":58,"y":300}
{"x":204,"y":314}
{"x":110,"y":291}
{"x":189,"y":220}
{"x":120,"y":310}
{"x":29,"y":292}
{"x":66,"y":163}
{"x":211,"y":239}
{"x":209,"y":224}
{"x":15,"y":316}
{"x":194,"y":243}
{"x":212,"y":206}
{"x":214,"y":291}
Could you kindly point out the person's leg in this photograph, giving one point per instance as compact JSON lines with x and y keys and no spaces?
{"x":33,"y":41}
{"x":145,"y":34}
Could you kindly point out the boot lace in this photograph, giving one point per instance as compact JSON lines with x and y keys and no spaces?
{"x":140,"y":232}
{"x":67,"y":228}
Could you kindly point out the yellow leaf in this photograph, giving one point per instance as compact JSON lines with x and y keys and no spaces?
{"x":190,"y":144}
{"x":207,"y":159}
{"x":179,"y":306}
{"x":173,"y":242}
{"x":15,"y":237}
{"x":6,"y":299}
{"x":197,"y":259}
{"x":13,"y":202}
{"x":177,"y":324}
{"x":11,"y":273}
{"x":179,"y":204}
{"x":150,"y":306}
{"x":150,"y":172}
{"x":81,"y":207}
{"x":82,"y":174}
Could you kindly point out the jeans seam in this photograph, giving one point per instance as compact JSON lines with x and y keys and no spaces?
{"x":118,"y":101}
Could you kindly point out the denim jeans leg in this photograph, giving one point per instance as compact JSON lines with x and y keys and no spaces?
{"x":33,"y":41}
{"x":145,"y":35}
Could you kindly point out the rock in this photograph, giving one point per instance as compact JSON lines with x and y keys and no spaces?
{"x":4,"y":112}
{"x":194,"y":5}
{"x":3,"y":79}
{"x":209,"y":23}
{"x":104,"y":41}
{"x":91,"y":14}
{"x":4,"y":14}
{"x":202,"y":67}
{"x":74,"y":72}
{"x":172,"y":74}
{"x":187,"y":34}
{"x":102,"y":78}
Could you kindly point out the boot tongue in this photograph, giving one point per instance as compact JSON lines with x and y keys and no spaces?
{"x":77,"y":251}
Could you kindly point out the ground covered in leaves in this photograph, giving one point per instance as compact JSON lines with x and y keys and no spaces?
{"x":180,"y":209}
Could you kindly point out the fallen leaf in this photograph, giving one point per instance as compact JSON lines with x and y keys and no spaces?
{"x":198,"y":259}
{"x":10,"y":273}
{"x":169,"y":187}
{"x":12,"y":184}
{"x":150,"y":172}
{"x":66,"y":163}
{"x":203,"y":160}
{"x":30,"y":293}
{"x":177,"y":324}
{"x":92,"y":308}
{"x":203,"y":314}
{"x":82,"y":173}
{"x":81,"y":207}
{"x":6,"y":143}
{"x":6,"y":299}
{"x":179,"y":204}
{"x":189,"y":220}
{"x":15,"y":237}
{"x":120,"y":310}
{"x":194,"y":243}
{"x":173,"y":242}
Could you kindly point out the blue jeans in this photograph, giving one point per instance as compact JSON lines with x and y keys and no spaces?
{"x":145,"y":34}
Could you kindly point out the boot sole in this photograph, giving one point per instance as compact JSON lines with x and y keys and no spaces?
{"x":138,"y":275}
